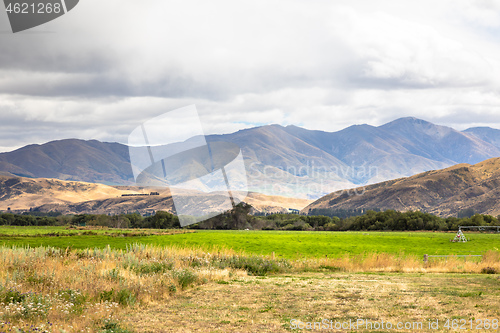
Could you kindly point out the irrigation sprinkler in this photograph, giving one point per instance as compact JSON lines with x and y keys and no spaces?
{"x":460,"y":237}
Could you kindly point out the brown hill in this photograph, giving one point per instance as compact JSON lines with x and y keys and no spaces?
{"x":70,"y":197}
{"x":442,"y":192}
{"x":21,"y":193}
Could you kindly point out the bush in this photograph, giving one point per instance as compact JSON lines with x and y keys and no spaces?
{"x":110,"y":326}
{"x":106,"y":295}
{"x":73,"y":296}
{"x":254,"y":265}
{"x":172,"y":289}
{"x":330,"y":226}
{"x":125,"y":297}
{"x":185,"y":278}
{"x":153,"y":268}
{"x":488,"y":270}
{"x":13,"y":296}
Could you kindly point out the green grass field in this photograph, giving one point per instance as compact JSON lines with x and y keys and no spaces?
{"x":287,"y":244}
{"x":33,"y":231}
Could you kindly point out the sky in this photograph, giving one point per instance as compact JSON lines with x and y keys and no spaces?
{"x":105,"y":67}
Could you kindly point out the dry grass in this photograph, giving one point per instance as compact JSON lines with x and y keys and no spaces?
{"x":77,"y":291}
{"x":383,"y":262}
{"x":268,"y":304}
{"x":153,"y":289}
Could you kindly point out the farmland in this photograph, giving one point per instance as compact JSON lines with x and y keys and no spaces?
{"x":286,"y":244}
{"x":128,"y":280}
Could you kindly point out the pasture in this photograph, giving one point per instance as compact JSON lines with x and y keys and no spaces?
{"x":54,"y":279}
{"x":284,"y":244}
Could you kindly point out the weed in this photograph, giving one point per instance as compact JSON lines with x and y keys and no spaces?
{"x":470,"y":294}
{"x":153,"y":268}
{"x":34,"y":279}
{"x":110,"y":326}
{"x":172,"y":288}
{"x":254,"y":265}
{"x":125,"y":297}
{"x":73,"y":296}
{"x":13,"y":296}
{"x":330,"y":268}
{"x":107,"y":295}
{"x":185,"y":278}
{"x":489,"y":270}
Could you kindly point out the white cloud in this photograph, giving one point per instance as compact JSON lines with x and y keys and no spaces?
{"x":317,"y":64}
{"x":485,"y":13}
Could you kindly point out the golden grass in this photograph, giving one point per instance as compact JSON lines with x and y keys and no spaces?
{"x":76,"y":291}
{"x":384,"y":262}
{"x":81,"y":291}
{"x":268,"y":304}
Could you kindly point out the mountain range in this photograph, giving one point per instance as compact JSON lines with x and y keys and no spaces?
{"x":441,"y":192}
{"x":289,"y":161}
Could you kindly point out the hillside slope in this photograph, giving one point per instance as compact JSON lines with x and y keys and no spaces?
{"x":70,"y":197}
{"x":441,"y":192}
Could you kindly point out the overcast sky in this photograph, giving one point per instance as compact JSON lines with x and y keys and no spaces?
{"x":107,"y":66}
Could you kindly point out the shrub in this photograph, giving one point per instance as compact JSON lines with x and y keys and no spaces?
{"x":153,"y":268}
{"x":13,"y":296}
{"x":110,"y":326}
{"x":254,"y":265}
{"x":185,"y":278}
{"x":489,"y":270}
{"x":73,"y":296}
{"x":159,"y":267}
{"x":113,"y":275}
{"x":330,"y":226}
{"x":125,"y":297}
{"x":172,"y":289}
{"x":107,"y":295}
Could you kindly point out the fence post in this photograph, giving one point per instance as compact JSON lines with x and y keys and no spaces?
{"x":426,"y":258}
{"x":273,"y":255}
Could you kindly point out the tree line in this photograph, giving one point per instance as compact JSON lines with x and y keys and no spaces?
{"x":388,"y":220}
{"x":240,"y":218}
{"x":160,"y":220}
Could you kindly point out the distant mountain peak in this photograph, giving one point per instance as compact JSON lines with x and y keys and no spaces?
{"x":487,"y":134}
{"x":480,"y":128}
{"x":408,"y":120}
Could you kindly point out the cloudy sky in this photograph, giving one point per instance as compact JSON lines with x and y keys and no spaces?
{"x":107,"y":66}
